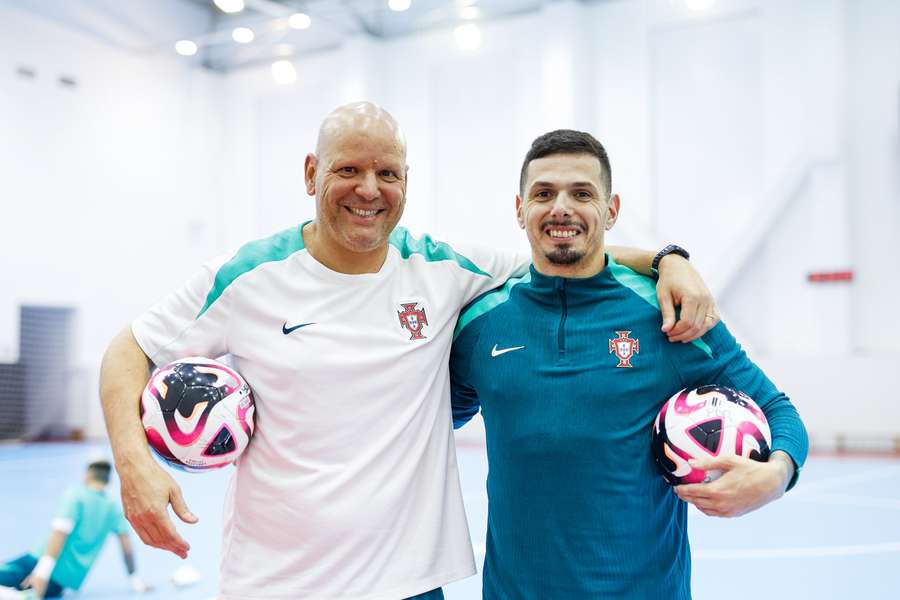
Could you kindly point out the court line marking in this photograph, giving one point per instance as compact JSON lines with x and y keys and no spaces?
{"x":808,"y":552}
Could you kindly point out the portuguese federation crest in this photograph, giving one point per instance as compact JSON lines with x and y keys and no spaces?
{"x":413,"y":319}
{"x":624,"y":347}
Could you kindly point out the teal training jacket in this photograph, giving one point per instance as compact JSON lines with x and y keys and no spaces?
{"x":577,"y":508}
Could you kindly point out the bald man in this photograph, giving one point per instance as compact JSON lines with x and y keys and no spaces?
{"x":342,"y":326}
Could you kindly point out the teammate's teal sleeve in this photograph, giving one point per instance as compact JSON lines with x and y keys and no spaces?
{"x":577,"y":508}
{"x":92,"y":516}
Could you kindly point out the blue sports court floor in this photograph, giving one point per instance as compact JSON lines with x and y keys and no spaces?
{"x":836,"y":536}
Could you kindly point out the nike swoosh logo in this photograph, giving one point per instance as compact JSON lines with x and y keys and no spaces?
{"x":286,"y":330}
{"x":495,"y":353}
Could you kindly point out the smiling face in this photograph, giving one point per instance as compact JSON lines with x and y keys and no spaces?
{"x":358,"y":176}
{"x":565,"y":211}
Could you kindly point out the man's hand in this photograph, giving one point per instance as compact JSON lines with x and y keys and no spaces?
{"x":680,"y":285}
{"x":37,"y":584}
{"x":147,"y":490}
{"x":744,"y":486}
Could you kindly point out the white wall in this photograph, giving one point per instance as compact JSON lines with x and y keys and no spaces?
{"x":110,"y":191}
{"x":872,"y":155}
{"x":762,"y":135}
{"x":728,"y":131}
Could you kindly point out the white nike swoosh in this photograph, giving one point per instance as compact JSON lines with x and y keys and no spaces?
{"x":495,"y":353}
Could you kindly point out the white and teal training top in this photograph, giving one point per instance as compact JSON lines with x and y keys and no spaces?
{"x":87,"y":516}
{"x":349,"y":488}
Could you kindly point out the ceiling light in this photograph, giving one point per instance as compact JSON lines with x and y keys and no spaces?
{"x":185,"y":47}
{"x":242,"y":35}
{"x":399,"y":5}
{"x":698,"y":5}
{"x":230,"y":6}
{"x":468,"y":37}
{"x":300,"y":20}
{"x":283,"y":72}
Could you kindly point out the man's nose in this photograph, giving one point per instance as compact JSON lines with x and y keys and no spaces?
{"x":367,"y":189}
{"x":562,"y":205}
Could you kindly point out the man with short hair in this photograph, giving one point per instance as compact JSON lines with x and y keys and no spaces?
{"x":576,"y":506}
{"x":86,"y":516}
{"x":342,"y":327}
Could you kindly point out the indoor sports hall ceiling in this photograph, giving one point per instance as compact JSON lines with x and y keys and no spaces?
{"x":154,"y":26}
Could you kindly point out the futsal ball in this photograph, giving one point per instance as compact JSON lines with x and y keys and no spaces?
{"x":708,"y":421}
{"x":197,"y":413}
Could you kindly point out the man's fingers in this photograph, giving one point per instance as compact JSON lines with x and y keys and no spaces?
{"x":710,"y":512}
{"x":158,"y":531}
{"x":724,"y":463}
{"x":683,"y":325}
{"x":142,"y":533}
{"x":710,"y":316}
{"x":155,"y":534}
{"x":172,"y":540}
{"x":694,"y":492}
{"x":685,"y":329}
{"x":667,"y":307}
{"x":699,"y":319}
{"x":180,"y":507}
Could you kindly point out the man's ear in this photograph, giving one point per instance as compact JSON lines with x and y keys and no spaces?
{"x":309,"y":173}
{"x":520,"y":211}
{"x":612,"y":211}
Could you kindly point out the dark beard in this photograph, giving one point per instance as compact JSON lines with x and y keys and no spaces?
{"x":564,"y":255}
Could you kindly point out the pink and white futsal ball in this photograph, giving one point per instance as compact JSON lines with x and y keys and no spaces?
{"x":197,"y":413}
{"x":709,"y":421}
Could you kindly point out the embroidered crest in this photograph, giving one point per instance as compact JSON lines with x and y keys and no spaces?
{"x":413,"y":319}
{"x":624,"y":347}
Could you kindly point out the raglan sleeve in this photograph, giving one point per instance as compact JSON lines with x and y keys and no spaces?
{"x":191,"y":321}
{"x":719,"y":358}
{"x":463,"y":394}
{"x":486,"y":268}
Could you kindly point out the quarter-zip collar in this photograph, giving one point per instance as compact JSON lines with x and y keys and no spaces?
{"x":577,"y":290}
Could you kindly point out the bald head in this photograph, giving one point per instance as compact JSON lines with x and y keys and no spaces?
{"x":358,"y":177}
{"x":362,"y":120}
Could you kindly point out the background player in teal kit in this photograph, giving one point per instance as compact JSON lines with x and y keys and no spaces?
{"x":576,"y":507}
{"x":85,"y":517}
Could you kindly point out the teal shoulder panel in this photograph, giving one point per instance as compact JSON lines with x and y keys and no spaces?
{"x":433,"y":251}
{"x":251,"y":255}
{"x":488,"y":302}
{"x":643,"y":286}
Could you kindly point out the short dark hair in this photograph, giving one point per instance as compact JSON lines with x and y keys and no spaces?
{"x":567,"y":141}
{"x":100,"y":470}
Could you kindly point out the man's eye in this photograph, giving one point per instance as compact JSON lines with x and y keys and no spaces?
{"x":347,"y":170}
{"x":583,"y":195}
{"x":389,"y":173}
{"x":542,"y":195}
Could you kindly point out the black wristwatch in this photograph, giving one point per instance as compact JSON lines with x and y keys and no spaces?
{"x":670,"y":249}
